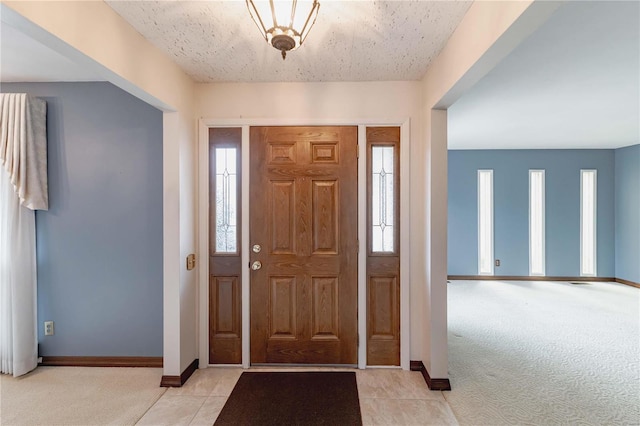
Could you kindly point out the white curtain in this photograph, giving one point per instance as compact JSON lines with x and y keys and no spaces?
{"x":23,"y":189}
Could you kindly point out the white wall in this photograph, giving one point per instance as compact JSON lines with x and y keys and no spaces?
{"x":302,"y":100}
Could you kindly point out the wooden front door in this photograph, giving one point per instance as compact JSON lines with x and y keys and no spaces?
{"x":303,"y":195}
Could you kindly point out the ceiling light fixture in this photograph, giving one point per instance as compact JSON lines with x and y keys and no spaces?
{"x":284,"y":24}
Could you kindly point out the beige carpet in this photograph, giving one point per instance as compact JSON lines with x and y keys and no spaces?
{"x":544,"y":353}
{"x":79,"y":396}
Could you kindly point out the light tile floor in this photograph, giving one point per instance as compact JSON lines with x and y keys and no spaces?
{"x":387,"y":397}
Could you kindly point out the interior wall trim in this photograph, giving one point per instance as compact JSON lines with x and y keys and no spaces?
{"x":433,"y":384}
{"x":178,"y":381}
{"x":628,"y":282}
{"x":527,"y":278}
{"x":538,"y":278}
{"x":101,"y":361}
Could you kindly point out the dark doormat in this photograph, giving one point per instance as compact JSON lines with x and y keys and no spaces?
{"x":305,"y":398}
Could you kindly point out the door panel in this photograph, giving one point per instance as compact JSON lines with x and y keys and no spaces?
{"x":225,"y":320}
{"x":325,"y":217}
{"x":383,"y":252}
{"x":225,"y":296}
{"x":283,"y":224}
{"x":383,"y":345}
{"x":282,"y":301}
{"x":303,"y":193}
{"x":325,"y":308}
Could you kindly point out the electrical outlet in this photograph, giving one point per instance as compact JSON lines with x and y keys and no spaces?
{"x":497,"y":262}
{"x":48,"y":328}
{"x":191,"y":262}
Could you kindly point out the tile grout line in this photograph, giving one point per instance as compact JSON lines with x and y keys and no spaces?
{"x":151,"y":406}
{"x":198,"y":410}
{"x":211,"y":395}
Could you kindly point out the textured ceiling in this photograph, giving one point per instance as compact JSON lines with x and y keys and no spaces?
{"x":216,"y":41}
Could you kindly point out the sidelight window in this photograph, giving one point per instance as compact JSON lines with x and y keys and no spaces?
{"x":383,"y":246}
{"x":485,"y":222}
{"x":536,"y":222}
{"x":226,"y":200}
{"x":383,"y":198}
{"x":588,"y":193}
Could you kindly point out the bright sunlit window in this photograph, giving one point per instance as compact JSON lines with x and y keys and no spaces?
{"x":536,"y":222}
{"x":588,"y":210}
{"x":485,"y":222}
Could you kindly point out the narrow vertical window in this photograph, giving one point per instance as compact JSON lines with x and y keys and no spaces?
{"x":226,"y":200}
{"x":225,"y":245}
{"x":588,"y":209}
{"x":485,"y":222}
{"x":383,"y":198}
{"x":383,"y":246}
{"x":536,"y":222}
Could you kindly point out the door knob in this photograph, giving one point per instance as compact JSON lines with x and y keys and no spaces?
{"x":256,"y":265}
{"x":256,"y":248}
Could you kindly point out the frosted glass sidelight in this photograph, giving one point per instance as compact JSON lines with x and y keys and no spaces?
{"x":485,"y":222}
{"x":536,"y":222}
{"x":382,"y":199}
{"x":588,"y":209}
{"x":226,"y":200}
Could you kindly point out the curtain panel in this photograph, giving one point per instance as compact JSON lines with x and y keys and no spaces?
{"x":23,"y":189}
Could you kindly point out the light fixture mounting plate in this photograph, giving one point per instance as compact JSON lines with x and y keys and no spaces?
{"x":283,"y":43}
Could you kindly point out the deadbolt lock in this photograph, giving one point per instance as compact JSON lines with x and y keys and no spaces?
{"x":257,"y":248}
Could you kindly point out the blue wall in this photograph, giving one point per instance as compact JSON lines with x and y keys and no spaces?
{"x":511,"y":209}
{"x":627,"y":210}
{"x":99,"y":246}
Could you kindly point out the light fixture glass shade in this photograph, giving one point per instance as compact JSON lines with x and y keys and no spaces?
{"x":284,"y":24}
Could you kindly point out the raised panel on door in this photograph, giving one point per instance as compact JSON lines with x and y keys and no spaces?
{"x":282,"y":216}
{"x":325,"y":216}
{"x":325,"y":312}
{"x":303,"y":193}
{"x":225,"y":319}
{"x":282,"y":307}
{"x":383,"y":327}
{"x":225,"y":272}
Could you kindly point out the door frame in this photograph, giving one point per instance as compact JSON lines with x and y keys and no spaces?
{"x":202,"y":314}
